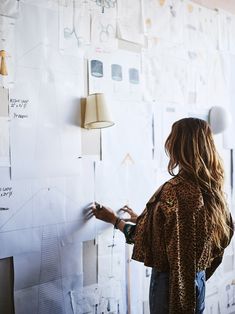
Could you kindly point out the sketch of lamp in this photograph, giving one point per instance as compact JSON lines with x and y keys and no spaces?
{"x":133,"y":76}
{"x":97,"y":115}
{"x":3,"y":66}
{"x":116,"y":72}
{"x":105,"y":4}
{"x":96,"y":68}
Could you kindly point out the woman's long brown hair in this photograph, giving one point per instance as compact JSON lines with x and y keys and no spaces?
{"x":190,"y":146}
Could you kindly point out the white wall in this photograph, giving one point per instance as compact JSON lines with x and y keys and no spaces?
{"x":181,"y":55}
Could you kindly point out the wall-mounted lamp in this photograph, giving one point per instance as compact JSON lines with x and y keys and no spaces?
{"x":96,"y":112}
{"x":3,"y":66}
{"x":219,"y":119}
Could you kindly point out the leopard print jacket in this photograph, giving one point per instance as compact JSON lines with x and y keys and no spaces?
{"x":172,"y":234}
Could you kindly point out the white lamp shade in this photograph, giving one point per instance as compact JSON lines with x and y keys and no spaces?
{"x":97,"y":115}
{"x":219,"y":119}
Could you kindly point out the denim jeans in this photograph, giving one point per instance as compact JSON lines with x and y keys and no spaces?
{"x":159,"y":292}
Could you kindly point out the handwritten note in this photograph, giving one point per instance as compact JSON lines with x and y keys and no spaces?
{"x":6,"y":192}
{"x":19,"y":107}
{"x":18,"y":103}
{"x":20,"y":116}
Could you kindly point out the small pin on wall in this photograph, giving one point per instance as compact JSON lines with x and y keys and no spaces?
{"x":3,"y":66}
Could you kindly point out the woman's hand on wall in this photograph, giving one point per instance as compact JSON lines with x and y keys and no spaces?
{"x":103,"y":213}
{"x":133,"y":216}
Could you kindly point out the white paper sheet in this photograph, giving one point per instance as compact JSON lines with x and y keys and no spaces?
{"x":121,"y":184}
{"x":165,"y":117}
{"x":110,"y":186}
{"x":41,"y":266}
{"x":49,"y":202}
{"x":89,"y":262}
{"x":165,"y":78}
{"x":42,"y":300}
{"x":103,"y":33}
{"x":4,"y":96}
{"x":90,"y":143}
{"x":130,"y":21}
{"x":74,"y":27}
{"x":86,"y":300}
{"x":9,"y":8}
{"x":226,"y":31}
{"x":164,"y":20}
{"x":111,"y":267}
{"x":44,"y":125}
{"x":4,"y":143}
{"x":132,"y":120}
{"x":218,"y":81}
{"x":208,"y":28}
{"x":220,"y":297}
{"x":200,"y":27}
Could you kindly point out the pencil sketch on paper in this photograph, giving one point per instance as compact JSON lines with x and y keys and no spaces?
{"x":50,"y":278}
{"x":116,"y":71}
{"x":134,"y":76}
{"x":96,"y":68}
{"x":106,"y":32}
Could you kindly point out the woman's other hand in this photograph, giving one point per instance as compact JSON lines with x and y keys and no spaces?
{"x":133,"y":215}
{"x":104,"y":213}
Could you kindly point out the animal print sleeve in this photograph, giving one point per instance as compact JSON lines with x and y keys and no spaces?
{"x":179,"y":230}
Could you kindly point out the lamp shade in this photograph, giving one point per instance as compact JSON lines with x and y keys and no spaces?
{"x":219,"y":119}
{"x":97,"y":115}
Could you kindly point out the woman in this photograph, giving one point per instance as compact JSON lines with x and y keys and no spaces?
{"x":186,"y":225}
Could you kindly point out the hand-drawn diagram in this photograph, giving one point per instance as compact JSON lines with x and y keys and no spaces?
{"x":130,"y":21}
{"x":103,"y":32}
{"x":116,"y":72}
{"x":74,"y":20}
{"x":118,"y":75}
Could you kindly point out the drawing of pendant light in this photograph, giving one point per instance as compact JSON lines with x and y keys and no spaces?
{"x":96,"y":68}
{"x":133,"y":76}
{"x":116,"y":70}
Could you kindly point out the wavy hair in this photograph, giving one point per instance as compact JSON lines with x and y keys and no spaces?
{"x":190,"y":146}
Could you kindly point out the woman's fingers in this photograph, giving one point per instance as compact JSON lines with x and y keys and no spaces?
{"x":95,"y":209}
{"x":126,"y":209}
